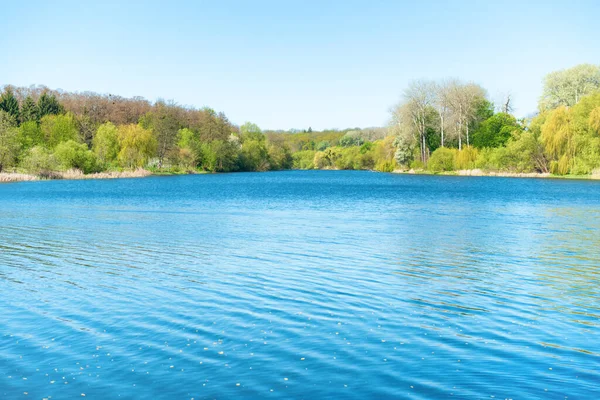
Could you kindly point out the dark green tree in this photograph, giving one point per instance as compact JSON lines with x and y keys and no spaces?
{"x":29,"y":111}
{"x":48,"y":105}
{"x":495,"y":131}
{"x":10,"y":104}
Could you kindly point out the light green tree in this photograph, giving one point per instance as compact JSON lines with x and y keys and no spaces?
{"x":9,"y":141}
{"x":30,"y":135}
{"x":106,"y":143}
{"x":136,"y":144}
{"x":568,"y":86}
{"x":59,"y":128}
{"x":71,"y":154}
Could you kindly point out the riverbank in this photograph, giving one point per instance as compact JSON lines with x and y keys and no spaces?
{"x":479,"y":172}
{"x":73,"y":174}
{"x":9,"y":177}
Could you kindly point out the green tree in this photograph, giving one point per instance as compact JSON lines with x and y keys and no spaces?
{"x":39,"y":160}
{"x":29,"y":111}
{"x":279,"y":157}
{"x":164,"y":123}
{"x":9,"y":104}
{"x":59,"y":128}
{"x":48,"y":105}
{"x":9,"y":141}
{"x":30,"y":135}
{"x":254,"y":156}
{"x":495,"y":131}
{"x":219,"y":156}
{"x":71,"y":154}
{"x":568,"y":86}
{"x":106,"y":143}
{"x":136,"y":144}
{"x":250,"y":131}
{"x":441,"y":160}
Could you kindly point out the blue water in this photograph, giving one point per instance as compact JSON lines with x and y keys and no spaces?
{"x":314,"y":284}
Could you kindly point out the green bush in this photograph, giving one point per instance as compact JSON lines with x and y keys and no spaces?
{"x":38,"y":160}
{"x":303,"y":159}
{"x":71,"y":154}
{"x":441,"y":160}
{"x":465,"y":158}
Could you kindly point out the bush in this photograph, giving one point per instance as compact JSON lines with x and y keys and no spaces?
{"x":465,"y":158}
{"x":39,"y":160}
{"x":441,"y":160}
{"x":303,"y":159}
{"x":74,"y":155}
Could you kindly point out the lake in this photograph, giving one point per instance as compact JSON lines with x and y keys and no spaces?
{"x":300,"y":284}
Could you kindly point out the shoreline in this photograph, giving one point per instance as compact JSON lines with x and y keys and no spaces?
{"x":497,"y":174}
{"x":14,"y":177}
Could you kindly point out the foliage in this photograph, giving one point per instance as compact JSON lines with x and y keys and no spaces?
{"x":106,"y":143}
{"x":303,"y":159}
{"x":567,"y":87}
{"x":59,"y":128}
{"x":465,"y":158}
{"x":9,"y":141}
{"x":29,"y":111}
{"x":441,"y":160}
{"x":30,"y":135}
{"x":279,"y":157}
{"x":10,"y":104}
{"x":219,"y":156}
{"x":136,"y":144}
{"x":39,"y":160}
{"x":495,"y":131}
{"x":48,"y":105}
{"x":71,"y":154}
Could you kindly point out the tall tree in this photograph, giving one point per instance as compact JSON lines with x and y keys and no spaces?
{"x":48,"y":105}
{"x":165,"y":124}
{"x":442,"y":106}
{"x":10,"y":104}
{"x":418,"y":100}
{"x":9,"y":141}
{"x":464,"y":100}
{"x":568,"y":86}
{"x":29,"y":110}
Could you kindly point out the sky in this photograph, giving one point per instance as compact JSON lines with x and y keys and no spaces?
{"x":287,"y":64}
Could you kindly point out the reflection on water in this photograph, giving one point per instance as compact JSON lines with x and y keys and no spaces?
{"x":300,"y":284}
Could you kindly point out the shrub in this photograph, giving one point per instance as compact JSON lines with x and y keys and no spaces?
{"x":39,"y":160}
{"x":74,"y":155}
{"x":441,"y":160}
{"x":304,"y":159}
{"x":465,"y":158}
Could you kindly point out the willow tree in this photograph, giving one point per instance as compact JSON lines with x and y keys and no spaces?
{"x":594,"y":120}
{"x":136,"y":144}
{"x":557,"y":137}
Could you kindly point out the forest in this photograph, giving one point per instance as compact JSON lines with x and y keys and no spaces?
{"x":438,"y":127}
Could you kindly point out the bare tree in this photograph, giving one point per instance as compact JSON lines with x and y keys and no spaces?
{"x":419,"y":97}
{"x":442,"y":105}
{"x":463,"y":102}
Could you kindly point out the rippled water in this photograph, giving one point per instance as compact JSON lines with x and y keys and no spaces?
{"x":300,"y":285}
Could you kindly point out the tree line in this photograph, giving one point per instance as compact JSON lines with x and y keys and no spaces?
{"x":438,"y":126}
{"x":452,"y":125}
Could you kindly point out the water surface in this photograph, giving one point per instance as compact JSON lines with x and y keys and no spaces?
{"x":300,"y":284}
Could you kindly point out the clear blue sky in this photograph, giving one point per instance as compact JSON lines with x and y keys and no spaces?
{"x":294,"y":64}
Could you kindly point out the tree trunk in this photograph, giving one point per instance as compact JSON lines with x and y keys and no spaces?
{"x":442,"y":127}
